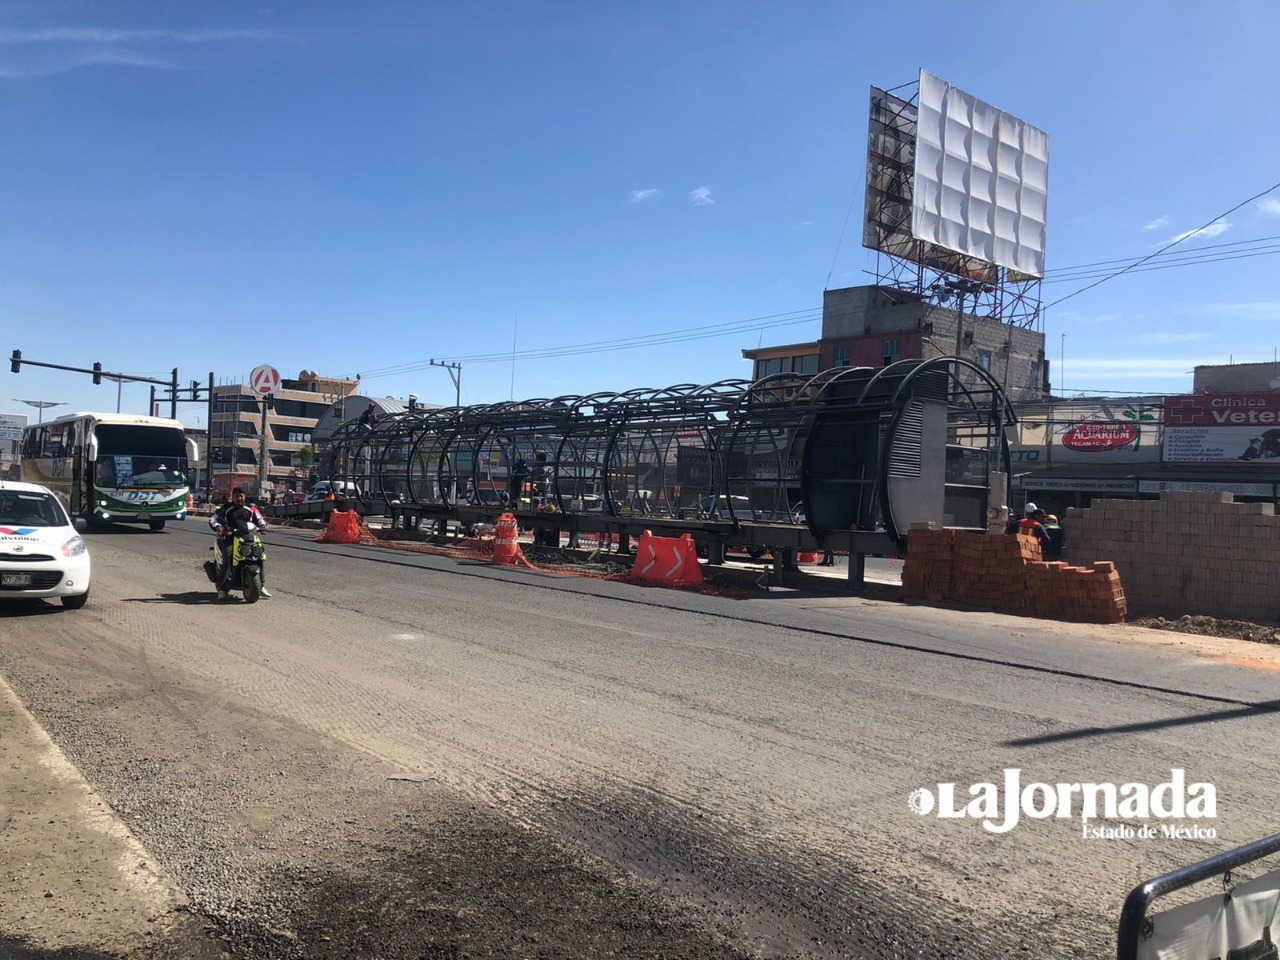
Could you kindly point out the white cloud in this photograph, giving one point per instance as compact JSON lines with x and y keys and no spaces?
{"x":803,"y":225}
{"x":1147,"y":367}
{"x":102,"y":35}
{"x":89,"y":58}
{"x":1175,"y":337}
{"x":1215,"y":229}
{"x":701,"y":197}
{"x":1158,"y":223}
{"x":1265,"y":310}
{"x":640,"y":196}
{"x":1269,"y":205}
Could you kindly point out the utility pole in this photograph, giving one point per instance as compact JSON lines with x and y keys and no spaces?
{"x":455,"y":374}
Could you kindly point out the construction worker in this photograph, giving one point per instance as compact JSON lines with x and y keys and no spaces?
{"x":1055,"y":537}
{"x":1032,"y":525}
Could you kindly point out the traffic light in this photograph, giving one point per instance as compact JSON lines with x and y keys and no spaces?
{"x":15,"y":362}
{"x":97,"y":372}
{"x":271,"y":401}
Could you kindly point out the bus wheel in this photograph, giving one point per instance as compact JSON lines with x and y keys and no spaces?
{"x":156,"y":525}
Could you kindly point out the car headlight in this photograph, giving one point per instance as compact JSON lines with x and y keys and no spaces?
{"x":73,"y":547}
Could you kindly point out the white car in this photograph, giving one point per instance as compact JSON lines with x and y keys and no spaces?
{"x":42,"y":554}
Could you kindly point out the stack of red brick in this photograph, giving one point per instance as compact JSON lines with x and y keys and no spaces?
{"x":1007,"y":574}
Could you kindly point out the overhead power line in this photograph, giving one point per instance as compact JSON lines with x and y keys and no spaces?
{"x":1167,"y":246}
{"x":1210,"y":253}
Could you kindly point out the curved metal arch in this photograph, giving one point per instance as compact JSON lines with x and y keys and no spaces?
{"x":950,"y":365}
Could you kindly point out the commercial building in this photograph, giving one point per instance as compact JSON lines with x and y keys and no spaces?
{"x":1069,"y":451}
{"x":237,"y":429}
{"x":874,"y":326}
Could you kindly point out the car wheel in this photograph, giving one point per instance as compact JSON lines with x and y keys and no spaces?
{"x":76,"y":602}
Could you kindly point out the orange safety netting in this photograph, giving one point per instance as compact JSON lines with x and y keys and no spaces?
{"x":481,"y":548}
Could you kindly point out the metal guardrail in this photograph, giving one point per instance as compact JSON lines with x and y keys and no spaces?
{"x":1133,"y":915}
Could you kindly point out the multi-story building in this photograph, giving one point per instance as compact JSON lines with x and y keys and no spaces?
{"x":237,"y":429}
{"x":875,"y":326}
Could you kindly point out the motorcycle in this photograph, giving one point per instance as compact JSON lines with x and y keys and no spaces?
{"x":247,"y":557}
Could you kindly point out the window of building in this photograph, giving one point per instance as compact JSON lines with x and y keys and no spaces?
{"x":1036,"y":375}
{"x":806,"y":365}
{"x":765,"y":368}
{"x":984,"y":360}
{"x":842,"y":356}
{"x":892,"y":351}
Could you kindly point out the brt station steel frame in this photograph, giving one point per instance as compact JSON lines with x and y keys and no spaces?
{"x":847,"y":460}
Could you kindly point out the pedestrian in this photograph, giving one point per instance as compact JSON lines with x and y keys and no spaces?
{"x":370,"y":418}
{"x":1055,"y":538}
{"x":519,"y":473}
{"x":1032,"y":525}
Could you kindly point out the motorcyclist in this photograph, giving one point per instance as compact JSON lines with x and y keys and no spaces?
{"x":226,"y":519}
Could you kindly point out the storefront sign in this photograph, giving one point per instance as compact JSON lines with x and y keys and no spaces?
{"x":1094,"y":437}
{"x":1207,"y":486}
{"x":1235,"y":427}
{"x":1221,"y":444}
{"x":1074,"y":485}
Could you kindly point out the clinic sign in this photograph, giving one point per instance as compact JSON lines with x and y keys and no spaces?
{"x":1239,"y":427}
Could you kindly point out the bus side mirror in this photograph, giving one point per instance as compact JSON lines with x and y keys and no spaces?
{"x":92,"y":448}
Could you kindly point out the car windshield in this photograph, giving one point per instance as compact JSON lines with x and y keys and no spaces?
{"x":21,"y":508}
{"x":132,"y":472}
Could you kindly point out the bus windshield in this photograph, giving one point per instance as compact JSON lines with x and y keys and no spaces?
{"x":131,"y":457}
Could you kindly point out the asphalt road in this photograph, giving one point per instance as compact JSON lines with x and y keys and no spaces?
{"x":406,"y":755}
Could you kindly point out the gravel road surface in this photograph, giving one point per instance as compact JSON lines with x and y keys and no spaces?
{"x":412,"y":756}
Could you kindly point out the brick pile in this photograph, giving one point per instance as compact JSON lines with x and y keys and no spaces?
{"x":1186,"y":553}
{"x":1007,"y":574}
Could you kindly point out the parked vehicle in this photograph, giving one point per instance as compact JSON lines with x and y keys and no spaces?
{"x":42,"y":554}
{"x":338,"y":488}
{"x":293,"y":496}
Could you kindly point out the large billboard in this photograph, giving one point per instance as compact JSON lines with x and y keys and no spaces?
{"x":891,"y":147}
{"x":1240,"y":428}
{"x":980,"y":182}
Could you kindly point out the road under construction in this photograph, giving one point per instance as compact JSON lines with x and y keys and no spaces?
{"x":846,"y":460}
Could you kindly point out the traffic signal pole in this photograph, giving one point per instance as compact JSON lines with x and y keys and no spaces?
{"x":17,"y":362}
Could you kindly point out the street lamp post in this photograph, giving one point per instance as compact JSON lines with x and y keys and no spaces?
{"x":41,"y":405}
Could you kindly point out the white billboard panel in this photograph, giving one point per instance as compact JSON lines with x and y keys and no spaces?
{"x":891,"y":144}
{"x":981,"y":181}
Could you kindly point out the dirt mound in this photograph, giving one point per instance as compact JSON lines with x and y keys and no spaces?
{"x":1213,"y":627}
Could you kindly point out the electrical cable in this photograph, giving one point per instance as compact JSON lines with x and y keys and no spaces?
{"x":1174,"y":243}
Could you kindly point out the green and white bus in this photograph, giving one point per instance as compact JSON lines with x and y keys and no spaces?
{"x":112,"y":467}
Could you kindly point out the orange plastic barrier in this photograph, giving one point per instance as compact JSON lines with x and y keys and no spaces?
{"x":667,"y":560}
{"x":506,"y":548}
{"x":344,"y":527}
{"x":805,"y":557}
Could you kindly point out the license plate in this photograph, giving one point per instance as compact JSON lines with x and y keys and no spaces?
{"x":15,"y":579}
{"x":144,"y":516}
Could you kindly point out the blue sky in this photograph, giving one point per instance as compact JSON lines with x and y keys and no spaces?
{"x":350,"y":187}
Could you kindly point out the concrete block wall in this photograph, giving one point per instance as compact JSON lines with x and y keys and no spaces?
{"x":1186,"y":553}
